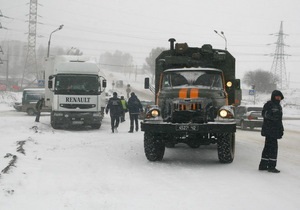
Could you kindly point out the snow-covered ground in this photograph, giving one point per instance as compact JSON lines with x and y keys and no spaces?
{"x":95,"y":169}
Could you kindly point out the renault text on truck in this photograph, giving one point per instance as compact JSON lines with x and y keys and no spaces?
{"x":75,"y":91}
{"x":195,"y":89}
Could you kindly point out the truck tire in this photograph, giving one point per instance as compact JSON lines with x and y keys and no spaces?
{"x":226,"y":147}
{"x":30,"y":112}
{"x":96,"y":126}
{"x":154,"y":147}
{"x":54,"y":125}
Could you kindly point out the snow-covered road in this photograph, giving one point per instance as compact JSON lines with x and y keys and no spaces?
{"x":95,"y":169}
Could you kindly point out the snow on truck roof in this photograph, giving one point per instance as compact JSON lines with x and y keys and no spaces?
{"x":77,"y":67}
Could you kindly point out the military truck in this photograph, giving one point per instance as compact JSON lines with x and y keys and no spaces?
{"x":195,"y":91}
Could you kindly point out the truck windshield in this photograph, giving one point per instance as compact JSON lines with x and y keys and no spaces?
{"x":202,"y":79}
{"x":77,"y":84}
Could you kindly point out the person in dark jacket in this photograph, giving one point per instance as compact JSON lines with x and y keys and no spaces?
{"x":115,"y":107}
{"x":39,"y":105}
{"x":134,"y":107}
{"x":272,"y":129}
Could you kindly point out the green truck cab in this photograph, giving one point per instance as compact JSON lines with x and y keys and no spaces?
{"x":195,"y":90}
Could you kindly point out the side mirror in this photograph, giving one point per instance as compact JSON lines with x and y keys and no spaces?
{"x":238,"y":84}
{"x":104,"y":83}
{"x":147,"y":83}
{"x":50,"y":84}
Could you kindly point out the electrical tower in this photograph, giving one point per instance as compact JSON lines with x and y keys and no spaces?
{"x":278,"y":65}
{"x":30,"y":70}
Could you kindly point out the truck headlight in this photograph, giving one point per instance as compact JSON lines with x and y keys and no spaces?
{"x":223,"y":113}
{"x":226,"y":112}
{"x":153,"y":113}
{"x":229,"y":84}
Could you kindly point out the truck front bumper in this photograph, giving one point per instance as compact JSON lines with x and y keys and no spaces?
{"x":76,"y":118}
{"x":211,"y":127}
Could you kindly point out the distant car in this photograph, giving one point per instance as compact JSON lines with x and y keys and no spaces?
{"x":29,"y":100}
{"x":18,"y":106}
{"x":119,"y":84}
{"x":146,"y":105}
{"x":248,"y":117}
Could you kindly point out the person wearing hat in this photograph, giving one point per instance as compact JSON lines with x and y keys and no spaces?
{"x":114,"y":105}
{"x":39,"y":105}
{"x":272,"y":129}
{"x":134,"y":107}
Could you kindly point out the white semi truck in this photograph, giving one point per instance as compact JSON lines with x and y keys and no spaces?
{"x":75,"y":91}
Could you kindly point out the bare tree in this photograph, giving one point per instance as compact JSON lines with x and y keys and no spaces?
{"x":263,"y":81}
{"x":117,"y":61}
{"x":150,"y":60}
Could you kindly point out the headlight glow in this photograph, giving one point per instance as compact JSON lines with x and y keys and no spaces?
{"x":229,"y":84}
{"x":153,"y":113}
{"x":223,"y":113}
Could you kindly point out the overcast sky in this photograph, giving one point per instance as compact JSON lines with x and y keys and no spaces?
{"x":137,"y":26}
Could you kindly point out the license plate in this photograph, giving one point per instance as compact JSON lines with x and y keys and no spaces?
{"x":77,"y":122}
{"x":187,"y":127}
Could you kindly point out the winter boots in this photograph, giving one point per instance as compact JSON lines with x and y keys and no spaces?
{"x":273,"y":170}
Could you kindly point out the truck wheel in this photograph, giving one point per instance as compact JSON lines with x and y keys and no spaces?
{"x":54,"y":125}
{"x":30,"y":112}
{"x":96,"y":126}
{"x":154,"y":147}
{"x":226,"y":147}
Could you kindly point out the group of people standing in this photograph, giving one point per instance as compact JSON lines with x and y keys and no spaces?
{"x":118,"y":107}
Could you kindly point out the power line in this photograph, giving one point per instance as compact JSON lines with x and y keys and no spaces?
{"x":30,"y":64}
{"x":278,"y":65}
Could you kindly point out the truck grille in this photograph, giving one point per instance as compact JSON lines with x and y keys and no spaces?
{"x":186,"y":106}
{"x":78,"y":106}
{"x":185,"y":111}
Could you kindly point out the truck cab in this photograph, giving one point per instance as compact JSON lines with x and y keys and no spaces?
{"x":75,"y":93}
{"x":195,"y":92}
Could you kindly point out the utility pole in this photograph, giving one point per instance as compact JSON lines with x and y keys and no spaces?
{"x":30,"y":70}
{"x":7,"y":64}
{"x":278,"y":65}
{"x":1,"y":51}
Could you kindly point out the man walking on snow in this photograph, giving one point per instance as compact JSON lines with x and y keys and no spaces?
{"x":272,"y":129}
{"x":115,"y":107}
{"x":135,"y":107}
